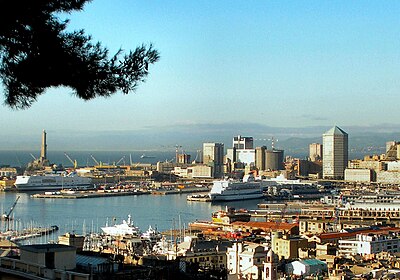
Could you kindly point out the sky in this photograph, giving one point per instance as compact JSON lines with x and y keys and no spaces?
{"x":275,"y":63}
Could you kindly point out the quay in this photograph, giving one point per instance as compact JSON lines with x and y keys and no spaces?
{"x":115,"y":192}
{"x":180,"y":191}
{"x":86,"y":194}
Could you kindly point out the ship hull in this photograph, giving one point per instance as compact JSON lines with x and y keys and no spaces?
{"x":227,"y":197}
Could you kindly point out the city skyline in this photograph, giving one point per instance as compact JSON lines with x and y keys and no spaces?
{"x":277,"y":64}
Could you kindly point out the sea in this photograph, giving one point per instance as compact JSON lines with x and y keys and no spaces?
{"x":88,"y":215}
{"x":82,"y":216}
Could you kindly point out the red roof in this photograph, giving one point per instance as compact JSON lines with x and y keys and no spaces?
{"x":344,"y":235}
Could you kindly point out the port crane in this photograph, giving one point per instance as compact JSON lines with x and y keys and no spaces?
{"x":6,"y":216}
{"x":95,"y":160}
{"x":74,"y":162}
{"x":272,"y":139}
{"x":122,"y":159}
{"x":198,"y":156}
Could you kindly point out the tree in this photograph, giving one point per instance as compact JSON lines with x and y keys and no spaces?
{"x":36,"y":52}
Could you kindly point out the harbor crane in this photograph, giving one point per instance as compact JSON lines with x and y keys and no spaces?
{"x":95,"y":160}
{"x":74,"y":162}
{"x":272,"y":139}
{"x":198,"y":156}
{"x":6,"y":216}
{"x":122,"y":159}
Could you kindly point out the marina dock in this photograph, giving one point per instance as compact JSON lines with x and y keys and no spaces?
{"x":27,"y":233}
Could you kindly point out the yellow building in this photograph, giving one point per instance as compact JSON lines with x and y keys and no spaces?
{"x":6,"y":184}
{"x":285,"y":246}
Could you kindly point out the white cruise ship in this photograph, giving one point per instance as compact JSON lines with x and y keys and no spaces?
{"x":51,"y":182}
{"x":248,"y":188}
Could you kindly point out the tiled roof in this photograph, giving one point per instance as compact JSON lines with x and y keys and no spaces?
{"x":339,"y":235}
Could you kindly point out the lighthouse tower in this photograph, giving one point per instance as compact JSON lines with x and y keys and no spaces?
{"x":43,"y":150}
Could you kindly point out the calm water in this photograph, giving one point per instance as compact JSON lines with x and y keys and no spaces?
{"x":87,"y":215}
{"x":79,"y":214}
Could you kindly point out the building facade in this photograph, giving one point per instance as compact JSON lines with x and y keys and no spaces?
{"x":213,"y":155}
{"x":315,"y":151}
{"x":246,"y":260}
{"x":260,"y":157}
{"x":335,"y":153}
{"x":242,"y":142}
{"x":274,"y":159}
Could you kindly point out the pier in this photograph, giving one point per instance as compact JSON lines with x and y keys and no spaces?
{"x":27,"y":233}
{"x":116,"y":192}
{"x":86,"y":194}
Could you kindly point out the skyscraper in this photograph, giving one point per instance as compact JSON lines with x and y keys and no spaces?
{"x":242,"y":142}
{"x":260,"y":157}
{"x":213,"y":155}
{"x":315,"y":151}
{"x":335,"y":153}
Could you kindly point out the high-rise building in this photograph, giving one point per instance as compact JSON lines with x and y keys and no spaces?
{"x":183,"y":158}
{"x":242,"y":142}
{"x":274,"y":159}
{"x":260,"y":157}
{"x":335,"y":153}
{"x":315,"y":151}
{"x":213,"y":155}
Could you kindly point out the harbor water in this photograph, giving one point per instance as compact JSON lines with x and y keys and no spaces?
{"x":88,"y":215}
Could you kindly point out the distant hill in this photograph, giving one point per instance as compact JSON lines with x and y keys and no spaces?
{"x":294,"y":140}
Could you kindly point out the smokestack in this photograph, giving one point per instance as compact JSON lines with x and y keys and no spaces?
{"x":43,"y":151}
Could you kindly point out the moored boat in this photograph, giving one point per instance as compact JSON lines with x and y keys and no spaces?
{"x":248,"y":188}
{"x":126,"y":228}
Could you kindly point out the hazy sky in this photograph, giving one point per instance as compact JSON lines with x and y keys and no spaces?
{"x":277,"y":63}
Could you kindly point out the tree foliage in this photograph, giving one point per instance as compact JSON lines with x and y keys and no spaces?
{"x":36,"y":52}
